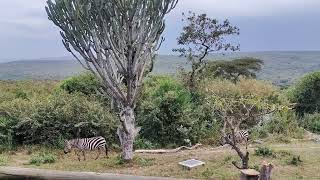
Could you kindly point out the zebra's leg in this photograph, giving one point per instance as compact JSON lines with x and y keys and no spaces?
{"x":84,"y":155}
{"x":99,"y":151}
{"x":247,"y":143}
{"x":106,"y":149}
{"x":77,"y":153}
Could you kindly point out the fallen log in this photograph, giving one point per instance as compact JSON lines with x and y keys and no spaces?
{"x":161,"y":151}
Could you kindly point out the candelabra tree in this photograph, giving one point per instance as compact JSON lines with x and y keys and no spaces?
{"x":116,"y":40}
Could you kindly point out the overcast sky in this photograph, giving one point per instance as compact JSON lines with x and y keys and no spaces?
{"x":265,"y":25}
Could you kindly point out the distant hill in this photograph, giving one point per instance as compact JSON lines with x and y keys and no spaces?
{"x":282,"y":68}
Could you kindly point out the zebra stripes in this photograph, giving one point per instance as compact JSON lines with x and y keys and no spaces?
{"x":240,"y":136}
{"x":86,"y":144}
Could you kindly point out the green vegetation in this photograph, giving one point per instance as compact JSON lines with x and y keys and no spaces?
{"x":311,"y":122}
{"x":201,"y":36}
{"x":306,"y":94}
{"x":295,"y":160}
{"x":46,"y":113}
{"x":285,"y":123}
{"x":166,"y":105}
{"x":218,"y":162}
{"x":278,"y":66}
{"x":263,"y":151}
{"x":48,"y":117}
{"x":3,"y":160}
{"x":234,"y":69}
{"x":42,"y":158}
{"x":85,"y":83}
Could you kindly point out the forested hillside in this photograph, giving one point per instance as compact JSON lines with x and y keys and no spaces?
{"x":282,"y":68}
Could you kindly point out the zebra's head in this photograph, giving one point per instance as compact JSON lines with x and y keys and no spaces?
{"x":67,"y":146}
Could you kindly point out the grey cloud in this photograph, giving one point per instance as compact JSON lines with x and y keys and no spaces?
{"x":25,"y":28}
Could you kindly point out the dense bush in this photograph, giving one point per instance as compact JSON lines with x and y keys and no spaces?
{"x":285,"y":123}
{"x":311,"y":122}
{"x":6,"y":132}
{"x":85,"y":83}
{"x":223,"y":95}
{"x":11,"y":90}
{"x":61,"y":115}
{"x":306,"y":93}
{"x":164,"y":114}
{"x":167,"y":115}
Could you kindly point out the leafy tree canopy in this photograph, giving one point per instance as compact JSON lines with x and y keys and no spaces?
{"x":306,"y":94}
{"x":201,"y":36}
{"x":232,"y":70}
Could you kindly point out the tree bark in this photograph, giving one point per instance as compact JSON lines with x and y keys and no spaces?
{"x":265,"y":173}
{"x":127,"y":132}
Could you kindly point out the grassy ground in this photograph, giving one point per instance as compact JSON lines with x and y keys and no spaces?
{"x":218,"y":162}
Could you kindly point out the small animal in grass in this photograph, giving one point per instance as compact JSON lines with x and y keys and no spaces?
{"x":81,"y":145}
{"x":240,"y":137}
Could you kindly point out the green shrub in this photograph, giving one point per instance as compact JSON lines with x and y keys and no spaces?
{"x":285,"y":123}
{"x":258,"y":133}
{"x":11,"y":90}
{"x":42,"y":158}
{"x":168,"y":116}
{"x":21,"y":94}
{"x":164,"y":114}
{"x":85,"y":83}
{"x":140,"y":143}
{"x":311,"y":122}
{"x":306,"y":93}
{"x":59,"y":116}
{"x":263,"y":151}
{"x":224,"y":95}
{"x":3,"y":160}
{"x":6,"y":133}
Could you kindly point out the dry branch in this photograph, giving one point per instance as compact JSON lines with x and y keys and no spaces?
{"x":161,"y":151}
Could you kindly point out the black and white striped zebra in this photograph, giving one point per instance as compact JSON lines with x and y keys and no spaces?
{"x":240,"y":137}
{"x":86,"y":144}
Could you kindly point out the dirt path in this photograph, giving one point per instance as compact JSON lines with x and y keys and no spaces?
{"x":68,"y":175}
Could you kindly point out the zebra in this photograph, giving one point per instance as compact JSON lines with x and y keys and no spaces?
{"x":86,"y":144}
{"x":240,"y":136}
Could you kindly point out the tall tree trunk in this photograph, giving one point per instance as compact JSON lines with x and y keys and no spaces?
{"x":127,"y":132}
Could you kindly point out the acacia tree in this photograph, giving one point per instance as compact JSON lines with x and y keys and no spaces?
{"x":116,"y":40}
{"x":238,"y":105}
{"x":200,"y":37}
{"x":234,"y":112}
{"x":233,"y":70}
